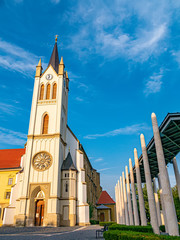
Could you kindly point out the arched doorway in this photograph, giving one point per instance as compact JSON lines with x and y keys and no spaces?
{"x":39,"y":208}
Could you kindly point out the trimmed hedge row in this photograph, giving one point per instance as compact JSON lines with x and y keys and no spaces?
{"x":130,"y":235}
{"x":93,"y":222}
{"x":131,"y":228}
{"x":162,"y":228}
{"x":106,"y":223}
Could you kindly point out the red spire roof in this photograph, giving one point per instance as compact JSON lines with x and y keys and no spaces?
{"x":11,"y":158}
{"x":105,"y":198}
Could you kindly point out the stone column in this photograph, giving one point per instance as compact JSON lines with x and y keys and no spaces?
{"x":157,"y":202}
{"x":120,"y":205}
{"x":135,"y":209}
{"x":165,"y":183}
{"x":140,"y":191}
{"x":122,"y":202}
{"x":117,"y":217}
{"x":131,"y":221}
{"x":117,"y":203}
{"x":151,"y":201}
{"x":162,"y":204}
{"x":125,"y":200}
{"x":176,"y":171}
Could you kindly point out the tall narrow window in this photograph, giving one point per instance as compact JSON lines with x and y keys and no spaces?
{"x":54,"y":91}
{"x":66,"y":187}
{"x":41,"y":92}
{"x":45,"y":124}
{"x":48,"y":91}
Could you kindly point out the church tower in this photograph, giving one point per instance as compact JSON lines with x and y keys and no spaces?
{"x":40,"y":187}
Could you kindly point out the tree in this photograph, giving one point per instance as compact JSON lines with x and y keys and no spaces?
{"x":176,"y":201}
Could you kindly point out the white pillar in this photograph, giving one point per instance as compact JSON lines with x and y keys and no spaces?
{"x":125,"y":200}
{"x":122,"y":202}
{"x":162,"y":204}
{"x":140,"y":191}
{"x":176,"y":171}
{"x":151,"y":201}
{"x":131,"y":221}
{"x":157,"y":202}
{"x":117,"y":203}
{"x":165,"y":183}
{"x":134,"y":200}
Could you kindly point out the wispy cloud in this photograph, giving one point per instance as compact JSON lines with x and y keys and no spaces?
{"x":15,"y":58}
{"x":154,"y":83}
{"x":8,"y":108}
{"x":103,"y":169}
{"x":10,"y":137}
{"x":79,"y":99}
{"x":98,"y":160}
{"x":129,"y":130}
{"x":103,"y":28}
{"x":55,"y":1}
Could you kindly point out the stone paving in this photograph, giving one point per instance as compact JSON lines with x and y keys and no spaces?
{"x":49,"y":233}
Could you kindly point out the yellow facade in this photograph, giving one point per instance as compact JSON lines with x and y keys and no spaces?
{"x":7,"y":180}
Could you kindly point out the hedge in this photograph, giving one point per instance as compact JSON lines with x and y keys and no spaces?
{"x":162,"y":228}
{"x":131,"y":228}
{"x":106,"y":223}
{"x":130,"y":235}
{"x":93,"y":222}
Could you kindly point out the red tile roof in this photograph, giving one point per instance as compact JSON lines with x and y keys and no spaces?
{"x":11,"y":158}
{"x":105,"y":198}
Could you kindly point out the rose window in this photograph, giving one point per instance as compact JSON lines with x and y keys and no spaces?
{"x":42,"y":161}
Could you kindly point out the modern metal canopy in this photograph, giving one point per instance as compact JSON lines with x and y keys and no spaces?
{"x":170,"y":137}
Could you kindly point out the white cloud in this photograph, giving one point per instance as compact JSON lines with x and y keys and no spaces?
{"x":103,"y":28}
{"x":10,"y":137}
{"x":129,"y":130}
{"x":98,"y":160}
{"x":103,"y":169}
{"x":15,"y":58}
{"x":8,"y":108}
{"x":79,"y":99}
{"x":55,"y":1}
{"x":154,"y":83}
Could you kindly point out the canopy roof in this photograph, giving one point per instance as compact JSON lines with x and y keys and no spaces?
{"x":170,"y":136}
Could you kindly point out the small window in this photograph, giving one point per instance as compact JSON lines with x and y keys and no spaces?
{"x":10,"y":181}
{"x":72,"y":175}
{"x":48,"y":91}
{"x":45,"y":124}
{"x":66,"y":187}
{"x":65,"y":174}
{"x":8,"y":194}
{"x":54,"y":91}
{"x":41,"y":92}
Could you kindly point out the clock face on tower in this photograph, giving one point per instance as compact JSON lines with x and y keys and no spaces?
{"x":49,"y":76}
{"x":42,"y":161}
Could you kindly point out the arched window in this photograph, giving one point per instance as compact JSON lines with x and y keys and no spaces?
{"x":54,"y":91}
{"x":66,"y":187}
{"x":45,"y":124}
{"x":41,"y":92}
{"x":48,"y":91}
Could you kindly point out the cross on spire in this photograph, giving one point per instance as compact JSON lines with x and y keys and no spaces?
{"x":56,"y":36}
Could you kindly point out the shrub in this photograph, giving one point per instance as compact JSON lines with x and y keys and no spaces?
{"x":131,"y":228}
{"x":130,"y":235}
{"x":93,"y":222}
{"x":106,"y":223}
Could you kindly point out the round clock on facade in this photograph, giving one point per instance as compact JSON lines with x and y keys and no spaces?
{"x":42,"y":161}
{"x":49,"y":76}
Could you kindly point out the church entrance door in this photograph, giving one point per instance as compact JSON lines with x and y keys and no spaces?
{"x":39,"y":214}
{"x":102,"y":217}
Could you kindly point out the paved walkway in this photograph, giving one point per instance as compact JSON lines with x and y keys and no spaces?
{"x":49,"y":233}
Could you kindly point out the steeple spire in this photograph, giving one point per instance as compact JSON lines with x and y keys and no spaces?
{"x":54,"y":61}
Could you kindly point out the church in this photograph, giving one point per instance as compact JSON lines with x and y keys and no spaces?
{"x":56,"y":183}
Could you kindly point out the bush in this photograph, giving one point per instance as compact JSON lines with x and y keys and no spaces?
{"x":131,"y":228}
{"x":162,"y":228}
{"x":130,"y":235}
{"x":93,"y":222}
{"x":106,"y":223}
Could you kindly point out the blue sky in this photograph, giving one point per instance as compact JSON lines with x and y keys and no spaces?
{"x":123,"y":60}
